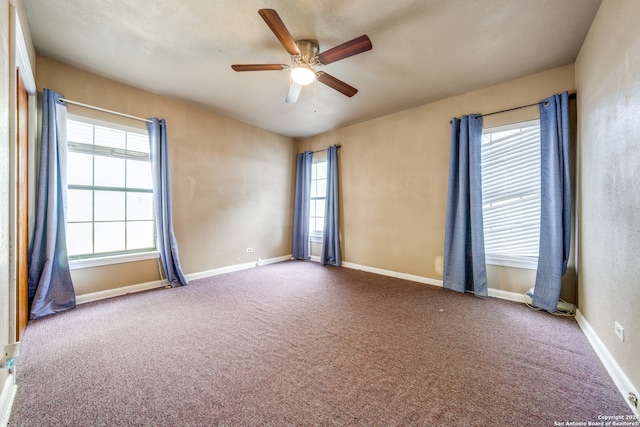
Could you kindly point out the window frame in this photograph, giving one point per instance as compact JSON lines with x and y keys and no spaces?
{"x":120,"y":256}
{"x":317,"y":235}
{"x":524,"y":262}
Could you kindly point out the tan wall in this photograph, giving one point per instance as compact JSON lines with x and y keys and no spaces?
{"x":232,"y":183}
{"x":394,"y":172}
{"x":608,"y":80}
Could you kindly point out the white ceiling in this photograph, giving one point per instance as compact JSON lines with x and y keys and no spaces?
{"x":423,"y":50}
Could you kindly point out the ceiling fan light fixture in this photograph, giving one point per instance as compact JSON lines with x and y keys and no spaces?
{"x":303,"y":74}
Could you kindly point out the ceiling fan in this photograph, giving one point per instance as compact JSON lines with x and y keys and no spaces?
{"x":304,"y":56}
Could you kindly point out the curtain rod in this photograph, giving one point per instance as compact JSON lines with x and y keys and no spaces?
{"x":571,"y":95}
{"x":326,"y":149}
{"x":104,"y":110}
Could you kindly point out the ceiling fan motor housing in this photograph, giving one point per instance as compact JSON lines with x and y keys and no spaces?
{"x":308,"y":52}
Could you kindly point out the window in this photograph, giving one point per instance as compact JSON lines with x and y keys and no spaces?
{"x":109,"y":191}
{"x":318,"y":195}
{"x":511,"y":194}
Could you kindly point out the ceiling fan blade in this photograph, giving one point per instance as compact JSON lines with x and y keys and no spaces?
{"x":345,"y":50}
{"x":260,"y":67}
{"x":293,"y":94}
{"x":336,"y":84}
{"x":274,"y":22}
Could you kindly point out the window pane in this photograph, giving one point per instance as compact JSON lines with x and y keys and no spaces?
{"x":109,"y":205}
{"x":109,"y":171}
{"x":79,"y":169}
{"x":314,"y":188}
{"x":109,"y":237}
{"x":321,"y":170}
{"x":140,"y":235}
{"x":139,"y":206}
{"x":139,"y":174}
{"x":317,"y":224}
{"x":319,"y":212}
{"x":108,"y":137}
{"x":79,"y":205}
{"x":79,"y":239}
{"x":322,"y":188}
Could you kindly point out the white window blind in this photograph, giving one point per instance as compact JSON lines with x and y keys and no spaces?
{"x":511,"y":194}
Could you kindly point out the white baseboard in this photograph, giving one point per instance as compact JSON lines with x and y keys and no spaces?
{"x":237,"y":267}
{"x":619,"y":378}
{"x":274,"y":260}
{"x":496,"y":293}
{"x":110,"y":293}
{"x":221,"y":270}
{"x":390,"y":273}
{"x":6,"y":399}
{"x":506,"y":295}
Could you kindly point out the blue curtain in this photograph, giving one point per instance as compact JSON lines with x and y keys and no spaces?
{"x":302,"y":206}
{"x":331,"y":253}
{"x":464,"y":260}
{"x":50,"y":286}
{"x":168,"y":246}
{"x":555,"y":202}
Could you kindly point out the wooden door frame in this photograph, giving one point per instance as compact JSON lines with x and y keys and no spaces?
{"x":21,"y":63}
{"x":22,"y":205}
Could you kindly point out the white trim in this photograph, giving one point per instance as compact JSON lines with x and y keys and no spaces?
{"x":398,"y":275}
{"x":275,"y":260}
{"x":237,"y":267}
{"x":110,"y":293}
{"x":494,"y":293}
{"x":506,"y":295}
{"x":617,"y":374}
{"x":22,"y":57}
{"x":77,"y":264}
{"x":6,"y":399}
{"x":221,"y":270}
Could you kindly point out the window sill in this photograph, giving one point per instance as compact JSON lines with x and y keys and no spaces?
{"x":77,"y":264}
{"x":527,"y":264}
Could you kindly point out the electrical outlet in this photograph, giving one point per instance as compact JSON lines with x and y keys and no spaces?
{"x":248,"y":250}
{"x":619,"y":331}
